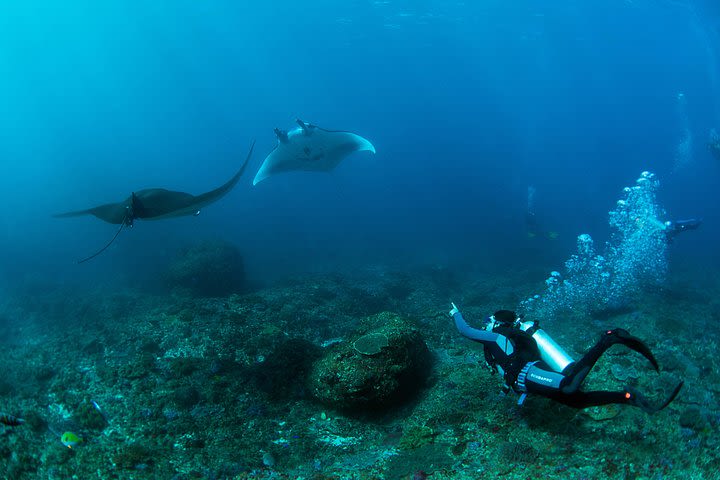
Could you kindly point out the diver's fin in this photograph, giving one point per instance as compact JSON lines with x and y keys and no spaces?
{"x":673,"y":395}
{"x":637,"y":399}
{"x":623,"y":337}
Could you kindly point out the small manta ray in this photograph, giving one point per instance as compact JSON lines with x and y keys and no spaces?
{"x":156,"y":204}
{"x":310,"y":148}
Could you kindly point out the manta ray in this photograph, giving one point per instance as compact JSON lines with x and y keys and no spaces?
{"x":156,"y":204}
{"x":310,"y":148}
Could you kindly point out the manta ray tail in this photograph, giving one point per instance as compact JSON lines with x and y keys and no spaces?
{"x":122,"y":225}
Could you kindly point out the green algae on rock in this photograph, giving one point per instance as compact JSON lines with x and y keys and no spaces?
{"x":604,"y":412}
{"x":348,"y":381}
{"x":371,"y":344}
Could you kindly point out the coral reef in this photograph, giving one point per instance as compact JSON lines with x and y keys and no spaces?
{"x":227,"y":387}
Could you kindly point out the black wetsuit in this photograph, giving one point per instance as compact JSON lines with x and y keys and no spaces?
{"x":516,"y":354}
{"x":673,"y":228}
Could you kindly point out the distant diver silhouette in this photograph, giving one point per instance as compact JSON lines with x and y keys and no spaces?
{"x":532,"y":224}
{"x":155,"y":204}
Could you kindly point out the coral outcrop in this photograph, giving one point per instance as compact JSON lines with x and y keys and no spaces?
{"x":349,"y":379}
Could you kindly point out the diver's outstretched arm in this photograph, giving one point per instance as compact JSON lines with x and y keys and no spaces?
{"x":469,"y":332}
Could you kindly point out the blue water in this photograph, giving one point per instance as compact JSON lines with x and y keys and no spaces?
{"x":467,"y":103}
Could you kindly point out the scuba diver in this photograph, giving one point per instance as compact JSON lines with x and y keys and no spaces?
{"x":673,"y":228}
{"x":714,"y":144}
{"x":531,"y":362}
{"x":532,"y":224}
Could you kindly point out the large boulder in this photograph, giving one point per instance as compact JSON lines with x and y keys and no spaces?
{"x":211,"y":269}
{"x":385,"y":363}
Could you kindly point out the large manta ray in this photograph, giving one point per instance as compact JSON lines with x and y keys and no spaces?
{"x":310,"y":148}
{"x":156,"y":204}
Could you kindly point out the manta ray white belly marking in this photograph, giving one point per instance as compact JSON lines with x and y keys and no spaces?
{"x":310,"y":148}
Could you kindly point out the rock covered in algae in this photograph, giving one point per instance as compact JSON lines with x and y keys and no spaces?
{"x":384,"y":364}
{"x":604,"y":412}
{"x":371,"y":344}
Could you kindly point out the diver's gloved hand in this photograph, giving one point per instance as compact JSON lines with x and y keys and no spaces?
{"x":637,"y":399}
{"x":623,"y":337}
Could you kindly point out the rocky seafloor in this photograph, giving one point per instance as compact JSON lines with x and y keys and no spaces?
{"x":341,"y":376}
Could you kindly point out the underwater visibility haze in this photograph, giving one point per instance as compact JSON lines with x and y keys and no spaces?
{"x":328,"y":179}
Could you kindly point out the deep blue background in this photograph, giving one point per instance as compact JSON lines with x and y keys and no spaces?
{"x":467,"y":103}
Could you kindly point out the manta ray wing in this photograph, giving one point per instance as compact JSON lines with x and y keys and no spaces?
{"x":311,"y":148}
{"x":114,"y":213}
{"x":159,"y":203}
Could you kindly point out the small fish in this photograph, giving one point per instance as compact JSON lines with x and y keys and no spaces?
{"x":70,"y":439}
{"x":99,"y":410}
{"x":10,"y":421}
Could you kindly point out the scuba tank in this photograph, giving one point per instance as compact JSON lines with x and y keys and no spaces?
{"x":550,"y":352}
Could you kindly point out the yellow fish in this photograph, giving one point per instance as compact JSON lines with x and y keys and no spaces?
{"x":70,"y":439}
